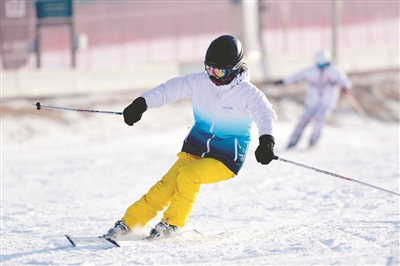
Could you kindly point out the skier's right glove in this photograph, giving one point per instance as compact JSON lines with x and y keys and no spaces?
{"x":133,"y":112}
{"x":265,"y":151}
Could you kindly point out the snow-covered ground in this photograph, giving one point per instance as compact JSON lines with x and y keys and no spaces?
{"x":76,"y":173}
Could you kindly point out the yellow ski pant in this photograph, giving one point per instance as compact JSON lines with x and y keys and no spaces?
{"x":178,"y":188}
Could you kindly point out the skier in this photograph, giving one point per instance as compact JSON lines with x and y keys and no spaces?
{"x":224,"y":105}
{"x":324,"y":83}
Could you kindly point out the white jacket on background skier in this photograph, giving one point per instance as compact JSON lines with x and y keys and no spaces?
{"x":324,"y":83}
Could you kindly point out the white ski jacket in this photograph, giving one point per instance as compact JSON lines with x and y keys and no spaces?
{"x":223,"y":115}
{"x":323,"y":85}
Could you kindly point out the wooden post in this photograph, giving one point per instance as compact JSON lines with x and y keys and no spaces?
{"x":236,"y":21}
{"x":38,"y":46}
{"x":336,"y":6}
{"x":73,"y":33}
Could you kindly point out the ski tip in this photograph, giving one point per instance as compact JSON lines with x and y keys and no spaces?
{"x":194,"y":230}
{"x":70,"y":240}
{"x":112,"y":242}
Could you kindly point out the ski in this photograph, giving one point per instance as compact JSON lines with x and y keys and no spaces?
{"x":76,"y":240}
{"x":187,"y":233}
{"x":91,"y":239}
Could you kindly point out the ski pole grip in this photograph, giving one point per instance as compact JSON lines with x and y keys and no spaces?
{"x":275,"y":157}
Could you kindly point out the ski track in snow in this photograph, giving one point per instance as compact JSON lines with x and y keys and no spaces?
{"x":77,"y":173}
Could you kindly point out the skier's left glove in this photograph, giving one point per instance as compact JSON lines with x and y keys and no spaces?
{"x":265,"y":150}
{"x":133,"y":112}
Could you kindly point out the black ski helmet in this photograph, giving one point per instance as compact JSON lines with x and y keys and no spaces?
{"x":224,"y":51}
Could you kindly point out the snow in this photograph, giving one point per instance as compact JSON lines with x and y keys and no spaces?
{"x":76,"y":173}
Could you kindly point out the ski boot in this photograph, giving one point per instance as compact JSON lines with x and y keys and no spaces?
{"x":119,"y":229}
{"x":163,"y":229}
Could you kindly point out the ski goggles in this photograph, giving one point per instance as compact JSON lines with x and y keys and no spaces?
{"x":220,"y":72}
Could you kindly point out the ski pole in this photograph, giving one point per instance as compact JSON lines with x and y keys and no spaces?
{"x":39,"y":106}
{"x":335,"y":175}
{"x":355,"y":104}
{"x":361,"y":112}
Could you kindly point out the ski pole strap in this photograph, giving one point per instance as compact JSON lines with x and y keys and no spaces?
{"x":335,"y":175}
{"x":39,"y":106}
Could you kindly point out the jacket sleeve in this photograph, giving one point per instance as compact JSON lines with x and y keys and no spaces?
{"x":172,"y":90}
{"x":297,"y":76}
{"x":263,"y":114}
{"x":343,"y":80}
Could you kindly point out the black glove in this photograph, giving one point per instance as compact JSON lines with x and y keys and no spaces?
{"x":265,"y":150}
{"x":279,"y":82}
{"x":133,"y":112}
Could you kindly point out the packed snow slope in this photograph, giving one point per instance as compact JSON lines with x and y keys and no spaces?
{"x":76,"y":173}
